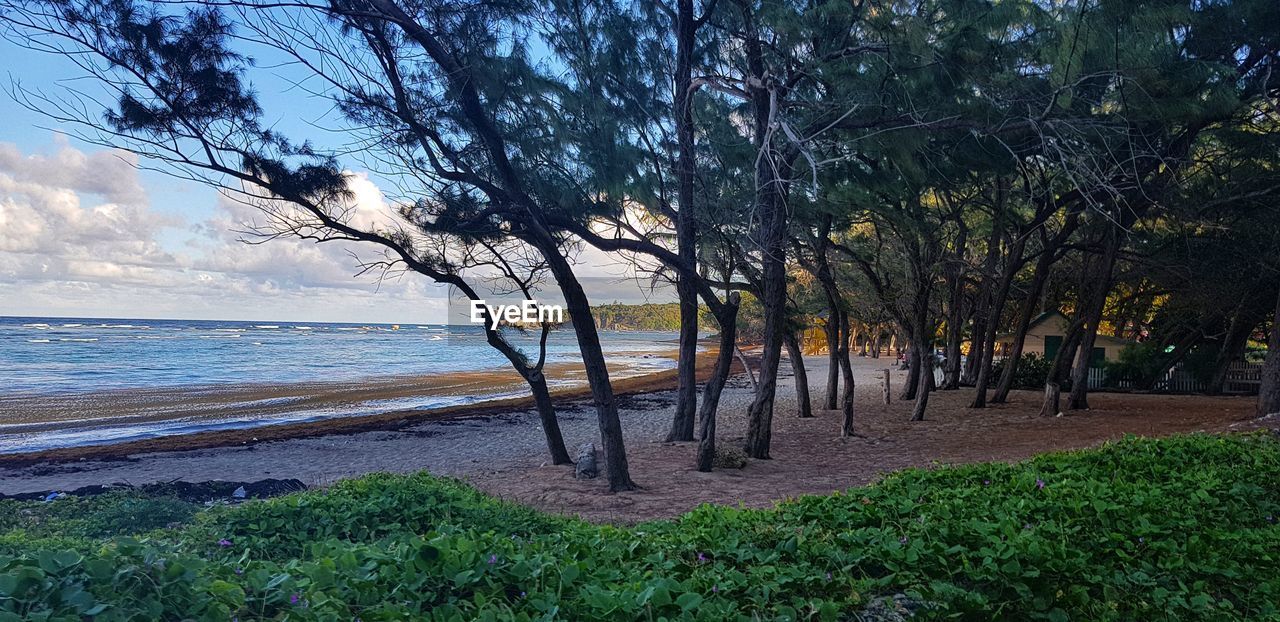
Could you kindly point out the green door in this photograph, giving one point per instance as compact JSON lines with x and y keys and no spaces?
{"x":1098,"y":357}
{"x":1052,"y":343}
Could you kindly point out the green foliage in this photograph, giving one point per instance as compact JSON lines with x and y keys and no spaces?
{"x":362,"y":510}
{"x":650,"y":316}
{"x":1031,"y":373}
{"x":1136,"y":361}
{"x":110,"y":514}
{"x":1174,"y":529}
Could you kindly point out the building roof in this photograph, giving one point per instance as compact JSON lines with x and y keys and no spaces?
{"x":1048,"y":315}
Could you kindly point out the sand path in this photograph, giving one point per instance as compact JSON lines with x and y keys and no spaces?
{"x":505,"y":453}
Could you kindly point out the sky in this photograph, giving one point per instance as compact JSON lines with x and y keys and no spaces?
{"x":88,"y":231}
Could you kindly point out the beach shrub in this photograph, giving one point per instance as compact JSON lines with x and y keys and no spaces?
{"x":1174,"y":529}
{"x":364,"y":510}
{"x":109,"y":514}
{"x":1031,"y":372}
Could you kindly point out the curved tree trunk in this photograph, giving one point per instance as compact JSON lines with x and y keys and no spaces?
{"x":1028,"y":312}
{"x":715,"y":385}
{"x":547,"y":416}
{"x":800,"y":375}
{"x":924,"y":377}
{"x":1233,"y":346}
{"x":1092,"y":316}
{"x":986,"y":366}
{"x":1059,"y":370}
{"x":846,"y":370}
{"x":584,"y":326}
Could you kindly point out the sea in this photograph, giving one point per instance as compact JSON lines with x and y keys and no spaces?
{"x":49,"y":363}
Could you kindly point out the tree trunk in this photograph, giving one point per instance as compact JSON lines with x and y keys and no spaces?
{"x":1028,"y":312}
{"x":715,"y":385}
{"x":584,"y":326}
{"x":1052,"y":397}
{"x":1058,"y":371}
{"x":987,"y":309}
{"x":1000,"y":296}
{"x":846,"y":370}
{"x":686,"y":366}
{"x":910,"y":387}
{"x":846,"y":406}
{"x":1180,"y":352}
{"x":547,"y":416}
{"x":977,"y":348}
{"x":1269,"y":390}
{"x":800,"y":375}
{"x":875,"y":341}
{"x":1097,"y":302}
{"x":953,"y":275}
{"x":686,"y":234}
{"x":1233,"y":346}
{"x":771,"y":174}
{"x":924,"y":380}
{"x":833,"y":357}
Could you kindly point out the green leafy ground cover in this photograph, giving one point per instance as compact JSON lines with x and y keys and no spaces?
{"x":1175,"y":529}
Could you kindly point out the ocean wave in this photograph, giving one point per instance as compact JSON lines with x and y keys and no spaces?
{"x":36,"y":325}
{"x":37,"y":341}
{"x":74,"y":339}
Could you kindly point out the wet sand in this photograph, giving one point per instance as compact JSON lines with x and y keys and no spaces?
{"x":70,"y":421}
{"x":501,"y":449}
{"x":231,"y":416}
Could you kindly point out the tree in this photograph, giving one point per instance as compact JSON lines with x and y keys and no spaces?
{"x":440,"y":109}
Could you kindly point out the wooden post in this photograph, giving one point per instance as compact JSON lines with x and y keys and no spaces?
{"x":886,"y":385}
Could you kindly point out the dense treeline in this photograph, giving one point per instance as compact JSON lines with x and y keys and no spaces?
{"x":648,"y":316}
{"x":930,"y":173}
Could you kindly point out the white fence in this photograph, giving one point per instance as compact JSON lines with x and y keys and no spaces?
{"x":1242,"y":377}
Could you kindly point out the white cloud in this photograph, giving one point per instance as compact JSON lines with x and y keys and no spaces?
{"x":78,"y":236}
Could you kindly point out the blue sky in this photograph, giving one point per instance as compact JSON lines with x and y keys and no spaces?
{"x":84,"y":232}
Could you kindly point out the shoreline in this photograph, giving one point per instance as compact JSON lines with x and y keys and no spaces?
{"x":502,"y":450}
{"x":389,"y":420}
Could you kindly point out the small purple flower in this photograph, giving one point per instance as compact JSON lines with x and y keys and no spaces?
{"x":1040,"y":484}
{"x":715,"y":589}
{"x":986,"y":482}
{"x":522,"y":594}
{"x":828,"y":576}
{"x":224,"y":543}
{"x":1141,"y":539}
{"x":902,"y":540}
{"x":239,"y":571}
{"x":1027,"y":526}
{"x":294,"y":598}
{"x":1271,"y":519}
{"x":493,"y":559}
{"x":701,"y":557}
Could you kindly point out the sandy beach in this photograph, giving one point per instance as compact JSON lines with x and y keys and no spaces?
{"x":501,"y":447}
